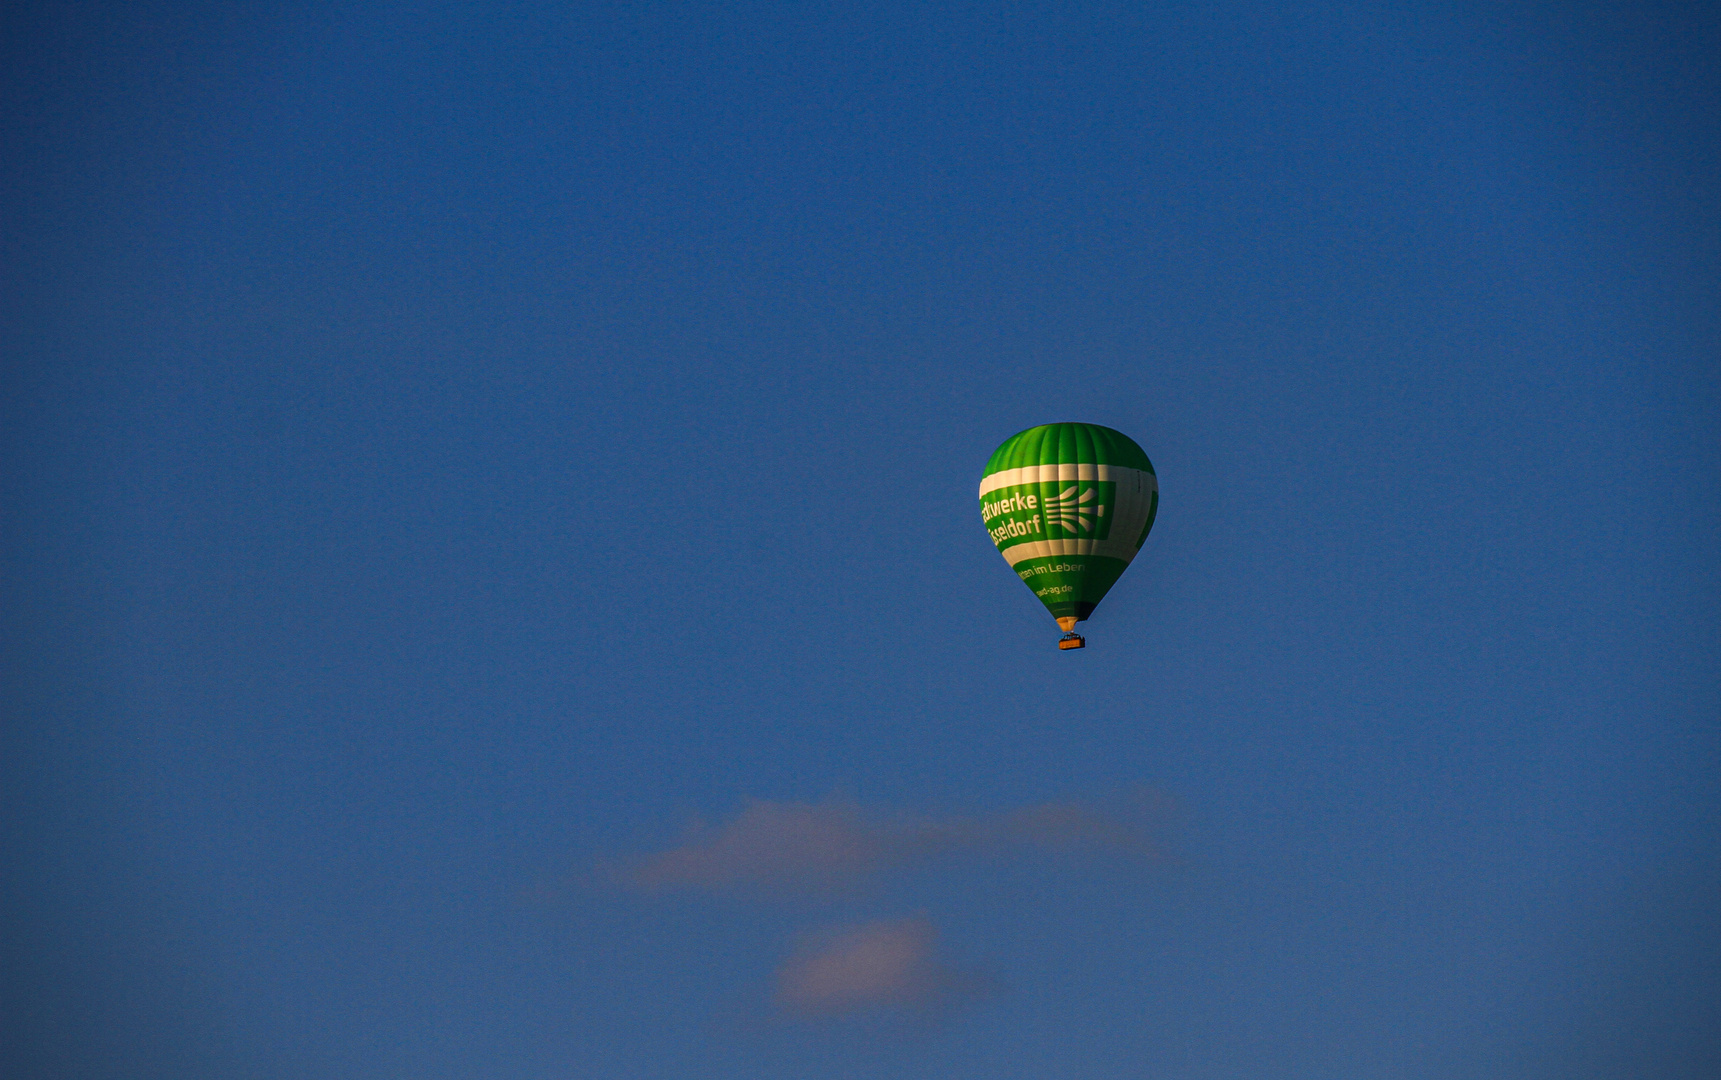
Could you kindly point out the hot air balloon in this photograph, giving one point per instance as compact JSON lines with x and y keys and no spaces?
{"x":1068,"y":506}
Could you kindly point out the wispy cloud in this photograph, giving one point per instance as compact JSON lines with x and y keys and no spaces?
{"x":779,"y":844}
{"x":881,"y":964}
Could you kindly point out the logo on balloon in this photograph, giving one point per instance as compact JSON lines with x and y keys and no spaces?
{"x":1041,"y":511}
{"x":1075,"y":513}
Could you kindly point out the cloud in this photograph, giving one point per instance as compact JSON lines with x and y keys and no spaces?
{"x":881,"y":964}
{"x":771,"y":843}
{"x":779,"y":844}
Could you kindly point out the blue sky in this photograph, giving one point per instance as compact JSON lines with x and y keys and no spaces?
{"x":493,"y":584}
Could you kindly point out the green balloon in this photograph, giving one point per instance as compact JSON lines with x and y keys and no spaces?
{"x":1068,"y":506}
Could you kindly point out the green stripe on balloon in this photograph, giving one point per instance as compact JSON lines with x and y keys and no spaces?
{"x":1061,"y":444}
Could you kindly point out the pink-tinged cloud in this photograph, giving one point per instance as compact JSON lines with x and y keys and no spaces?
{"x":770,"y":843}
{"x":882,"y":964}
{"x":811,"y":844}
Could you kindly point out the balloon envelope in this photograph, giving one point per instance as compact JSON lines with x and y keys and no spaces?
{"x":1068,"y":506}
